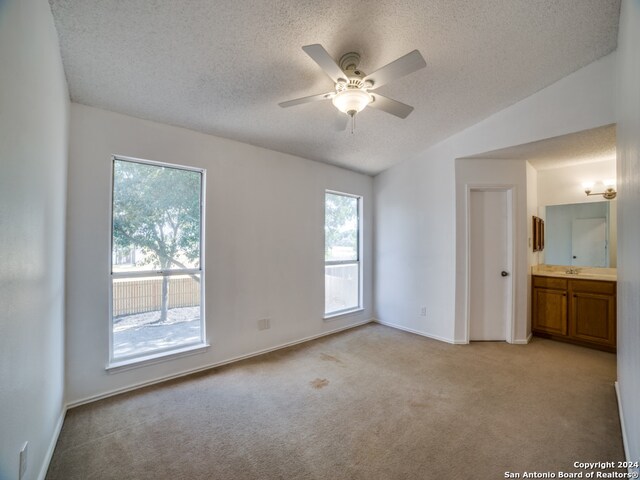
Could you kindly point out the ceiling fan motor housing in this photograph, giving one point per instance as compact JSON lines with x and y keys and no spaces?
{"x":350,"y":83}
{"x":349,"y":61}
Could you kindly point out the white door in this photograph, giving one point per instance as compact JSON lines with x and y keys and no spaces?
{"x":489,"y":266}
{"x":589,"y":242}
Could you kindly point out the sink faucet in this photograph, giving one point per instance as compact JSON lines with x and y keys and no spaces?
{"x":572,"y":271}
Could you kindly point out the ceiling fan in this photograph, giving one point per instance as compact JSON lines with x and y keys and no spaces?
{"x":353,"y":88}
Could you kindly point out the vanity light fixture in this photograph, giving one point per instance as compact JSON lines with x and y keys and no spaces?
{"x":609,"y":189}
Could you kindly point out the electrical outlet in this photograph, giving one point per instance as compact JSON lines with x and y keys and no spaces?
{"x":23,"y":461}
{"x":423,"y":311}
{"x":264,"y":324}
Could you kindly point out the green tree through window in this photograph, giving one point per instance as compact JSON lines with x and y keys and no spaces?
{"x":342,"y":270}
{"x":341,"y":225}
{"x":156,"y":213}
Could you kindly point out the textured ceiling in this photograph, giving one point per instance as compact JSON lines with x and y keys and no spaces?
{"x":221,"y":67}
{"x":586,"y":146}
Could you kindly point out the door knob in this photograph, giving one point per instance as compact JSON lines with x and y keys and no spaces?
{"x":504,"y":274}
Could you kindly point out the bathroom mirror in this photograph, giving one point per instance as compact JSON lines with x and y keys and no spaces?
{"x":580,"y":234}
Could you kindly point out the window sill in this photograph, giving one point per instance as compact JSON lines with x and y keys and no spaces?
{"x":343,"y":313}
{"x":130,"y":363}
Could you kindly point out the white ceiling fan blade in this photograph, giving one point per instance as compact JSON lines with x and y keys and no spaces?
{"x":322,"y":58}
{"x":311,"y":98}
{"x":341,"y":122}
{"x":411,"y":62}
{"x":391,"y":106}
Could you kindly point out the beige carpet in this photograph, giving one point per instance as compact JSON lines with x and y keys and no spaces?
{"x":369,"y":403}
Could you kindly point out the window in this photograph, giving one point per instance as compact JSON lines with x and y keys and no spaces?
{"x":342,"y":267}
{"x":157,"y":274}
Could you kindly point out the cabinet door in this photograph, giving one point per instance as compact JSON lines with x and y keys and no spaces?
{"x":549,"y":311}
{"x":593,"y":317}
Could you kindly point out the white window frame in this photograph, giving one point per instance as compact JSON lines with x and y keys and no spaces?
{"x":123,"y":363}
{"x":358,"y":261}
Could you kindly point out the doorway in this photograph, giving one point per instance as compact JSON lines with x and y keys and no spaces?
{"x":490,"y":264}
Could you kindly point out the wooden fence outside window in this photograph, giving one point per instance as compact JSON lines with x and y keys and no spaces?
{"x":139,"y":295}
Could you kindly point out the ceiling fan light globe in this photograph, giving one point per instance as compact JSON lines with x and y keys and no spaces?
{"x":351,"y":101}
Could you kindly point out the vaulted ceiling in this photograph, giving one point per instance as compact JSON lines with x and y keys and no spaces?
{"x":222,"y":67}
{"x":586,"y":146}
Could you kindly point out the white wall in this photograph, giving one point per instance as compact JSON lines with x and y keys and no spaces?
{"x":264,"y":244}
{"x":418,"y":250}
{"x":557,"y":186}
{"x":34,"y":104}
{"x":628,"y":134}
{"x":513,"y":175}
{"x":533,"y":258}
{"x":532,"y":210}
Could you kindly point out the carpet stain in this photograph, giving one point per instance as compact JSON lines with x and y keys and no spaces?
{"x":413,"y":403}
{"x":318,"y":383}
{"x":330,"y":358}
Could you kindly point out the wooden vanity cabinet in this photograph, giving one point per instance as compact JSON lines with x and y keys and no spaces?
{"x":549,"y":306}
{"x":593,"y":311}
{"x":576,"y":311}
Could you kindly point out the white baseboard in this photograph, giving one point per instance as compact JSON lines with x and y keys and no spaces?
{"x":523,"y":341}
{"x":136,"y":386}
{"x":52,"y":445}
{"x":411,"y":330}
{"x":622,"y":424}
{"x":443,"y":339}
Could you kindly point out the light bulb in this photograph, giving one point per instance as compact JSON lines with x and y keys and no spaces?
{"x":351,"y":101}
{"x":610,"y":183}
{"x":587,"y":185}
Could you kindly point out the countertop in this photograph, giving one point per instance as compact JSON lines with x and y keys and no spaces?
{"x":584,"y":273}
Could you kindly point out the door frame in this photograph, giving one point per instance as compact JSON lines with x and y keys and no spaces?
{"x":510,"y":190}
